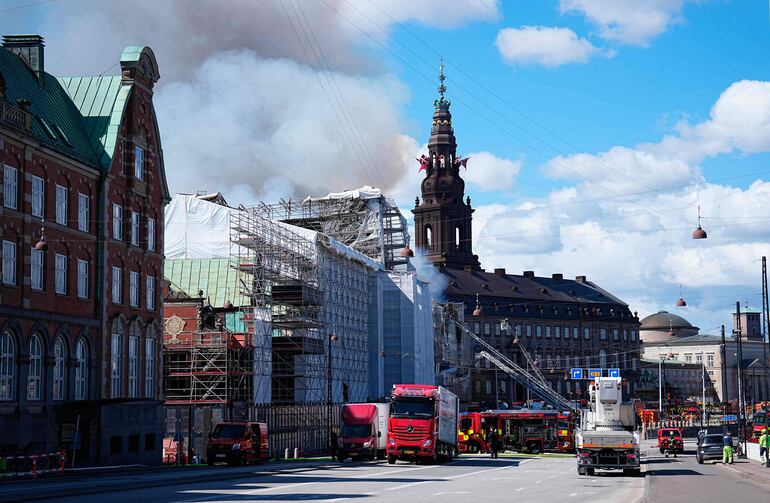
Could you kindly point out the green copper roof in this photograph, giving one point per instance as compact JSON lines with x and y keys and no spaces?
{"x":56,"y":122}
{"x":214,"y":276}
{"x":101,"y":101}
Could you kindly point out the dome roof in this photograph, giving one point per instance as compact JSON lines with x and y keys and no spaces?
{"x":663,"y":320}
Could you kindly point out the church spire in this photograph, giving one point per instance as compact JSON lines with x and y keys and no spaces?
{"x":441,"y":102}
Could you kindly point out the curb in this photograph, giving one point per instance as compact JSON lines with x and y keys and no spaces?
{"x":41,"y":493}
{"x":746,"y":475}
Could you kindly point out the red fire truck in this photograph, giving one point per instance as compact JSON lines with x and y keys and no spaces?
{"x":422,"y":423}
{"x":525,"y":430}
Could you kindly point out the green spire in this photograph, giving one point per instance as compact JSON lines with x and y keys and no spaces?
{"x":441,"y":102}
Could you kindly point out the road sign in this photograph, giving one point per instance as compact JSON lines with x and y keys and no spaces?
{"x":576,"y":373}
{"x":594,"y":373}
{"x":732,"y":417}
{"x":613,"y":372}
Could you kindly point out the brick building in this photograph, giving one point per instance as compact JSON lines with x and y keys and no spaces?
{"x":562,"y":323}
{"x":81,"y":216}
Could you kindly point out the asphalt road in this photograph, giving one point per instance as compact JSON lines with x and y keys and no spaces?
{"x":541,"y":479}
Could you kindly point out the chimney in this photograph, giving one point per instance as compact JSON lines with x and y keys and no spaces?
{"x":557,"y":276}
{"x":500,"y":272}
{"x":29,"y":48}
{"x":529,"y":274}
{"x":581,"y":279}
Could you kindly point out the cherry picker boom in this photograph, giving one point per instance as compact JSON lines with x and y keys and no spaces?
{"x":535,"y":383}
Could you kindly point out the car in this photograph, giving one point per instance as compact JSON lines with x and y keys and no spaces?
{"x":709,"y":447}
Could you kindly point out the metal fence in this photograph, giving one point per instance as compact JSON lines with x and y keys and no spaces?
{"x":301,"y":426}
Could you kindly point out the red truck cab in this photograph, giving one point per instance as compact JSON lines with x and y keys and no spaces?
{"x":238,"y":443}
{"x":422,"y":423}
{"x":670,"y":439}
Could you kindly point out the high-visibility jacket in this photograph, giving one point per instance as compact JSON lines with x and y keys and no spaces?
{"x":764,"y":440}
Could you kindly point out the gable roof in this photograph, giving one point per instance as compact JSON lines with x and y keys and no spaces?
{"x":56,"y":121}
{"x":101,"y":101}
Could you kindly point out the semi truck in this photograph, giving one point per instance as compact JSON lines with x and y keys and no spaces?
{"x":423,"y":424}
{"x":603,"y":440}
{"x":364,"y":430}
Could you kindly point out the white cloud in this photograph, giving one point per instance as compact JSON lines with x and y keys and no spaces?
{"x":632,"y":22}
{"x":543,"y":45}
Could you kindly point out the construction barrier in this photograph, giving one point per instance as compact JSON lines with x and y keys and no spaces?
{"x":32,"y":465}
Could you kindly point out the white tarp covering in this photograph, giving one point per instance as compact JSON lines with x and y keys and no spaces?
{"x":196,"y":228}
{"x":365,"y":192}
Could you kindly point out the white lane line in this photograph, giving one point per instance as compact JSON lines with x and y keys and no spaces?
{"x":572,"y":494}
{"x":391,"y":472}
{"x":480,"y":471}
{"x":552,"y":477}
{"x":519,"y":489}
{"x":410,"y":484}
{"x":538,"y":481}
{"x":525,"y":461}
{"x":337,"y":499}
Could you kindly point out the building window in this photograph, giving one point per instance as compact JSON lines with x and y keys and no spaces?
{"x":60,"y":277}
{"x":488,"y":387}
{"x":497,"y":329}
{"x":602,"y":358}
{"x":7,"y":366}
{"x":588,"y":361}
{"x":625,"y":334}
{"x":538,"y":331}
{"x":133,"y":362}
{"x":634,"y":363}
{"x":699,"y":358}
{"x":59,"y":369}
{"x":548,"y":330}
{"x":9,"y":263}
{"x":603,"y":334}
{"x":151,"y":234}
{"x":586,"y":333}
{"x":117,"y":221}
{"x":134,"y":228}
{"x":557,"y":332}
{"x":35,"y":374}
{"x":116,"y":362}
{"x":83,"y":212}
{"x":709,"y":359}
{"x":457,"y":237}
{"x":81,"y":371}
{"x":477,"y":328}
{"x":149,"y":363}
{"x":133,"y":288}
{"x":633,"y":335}
{"x":117,"y":285}
{"x":151,"y":293}
{"x":688,"y":357}
{"x":36,"y":269}
{"x":82,"y":279}
{"x":529,"y":330}
{"x":10,"y":188}
{"x":139,"y":163}
{"x":38,"y":196}
{"x":428,"y":236}
{"x":615,"y":334}
{"x":61,"y":205}
{"x":575,"y":333}
{"x":487,"y":328}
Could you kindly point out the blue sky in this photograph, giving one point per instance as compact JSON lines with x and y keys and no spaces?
{"x":618,"y":118}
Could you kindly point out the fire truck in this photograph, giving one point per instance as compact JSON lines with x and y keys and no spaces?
{"x":531,"y":431}
{"x":759,"y":422}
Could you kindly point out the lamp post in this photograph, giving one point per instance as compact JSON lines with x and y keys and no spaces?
{"x":661,"y":357}
{"x":703,"y":390}
{"x":330,"y":339}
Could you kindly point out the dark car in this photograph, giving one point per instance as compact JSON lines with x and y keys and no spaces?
{"x":709,"y":447}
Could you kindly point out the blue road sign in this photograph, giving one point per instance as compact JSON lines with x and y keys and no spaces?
{"x":594,"y":373}
{"x":577,"y":373}
{"x":613,"y":373}
{"x":730,"y":418}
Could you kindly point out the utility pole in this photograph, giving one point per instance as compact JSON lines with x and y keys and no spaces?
{"x":741,"y":391}
{"x":765,"y":321}
{"x":723,"y":372}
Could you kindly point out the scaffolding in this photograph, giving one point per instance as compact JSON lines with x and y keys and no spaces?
{"x":208,"y":368}
{"x":311,"y":309}
{"x":362,"y":219}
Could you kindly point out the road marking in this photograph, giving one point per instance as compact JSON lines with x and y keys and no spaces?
{"x":572,"y":494}
{"x":390,"y":472}
{"x":519,"y":489}
{"x":410,"y":484}
{"x":451,"y":492}
{"x":480,"y":471}
{"x":552,"y":477}
{"x":538,"y":481}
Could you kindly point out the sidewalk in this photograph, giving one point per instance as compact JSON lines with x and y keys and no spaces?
{"x":750,"y":469}
{"x":73,"y":485}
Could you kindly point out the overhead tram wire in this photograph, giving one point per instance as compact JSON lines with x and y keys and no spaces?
{"x":342,"y":124}
{"x":474,"y":110}
{"x":631,"y":180}
{"x":350,"y":117}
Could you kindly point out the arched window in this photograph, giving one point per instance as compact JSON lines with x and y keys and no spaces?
{"x":116,"y":359}
{"x":133,"y":360}
{"x":81,"y":371}
{"x":457,"y":236}
{"x":602,"y":359}
{"x":7,"y":365}
{"x":428,"y":236}
{"x":35,"y":374}
{"x":60,"y":356}
{"x":149,"y":363}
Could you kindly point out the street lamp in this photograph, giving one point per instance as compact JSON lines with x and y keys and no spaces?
{"x":331,"y":338}
{"x":661,"y":357}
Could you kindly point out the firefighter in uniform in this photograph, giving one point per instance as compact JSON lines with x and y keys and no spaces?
{"x":764,"y":443}
{"x":492,"y":441}
{"x":727,"y":449}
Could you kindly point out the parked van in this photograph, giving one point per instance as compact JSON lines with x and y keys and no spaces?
{"x":238,"y":443}
{"x":364,"y":430}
